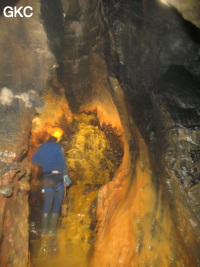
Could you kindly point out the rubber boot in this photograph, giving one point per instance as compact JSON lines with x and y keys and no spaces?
{"x":45,"y":223}
{"x":53,"y":223}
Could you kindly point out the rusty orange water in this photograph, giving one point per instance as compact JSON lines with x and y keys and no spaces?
{"x":141,"y":232}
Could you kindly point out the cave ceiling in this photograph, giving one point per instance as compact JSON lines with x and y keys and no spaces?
{"x":189,"y":9}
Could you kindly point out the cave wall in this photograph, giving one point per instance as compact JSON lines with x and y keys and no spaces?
{"x":25,"y":71}
{"x":144,"y":36}
{"x":189,"y":9}
{"x":25,"y":62}
{"x":149,"y":37}
{"x":102,"y":58}
{"x":158,"y":56}
{"x":176,"y":98}
{"x":84,"y":30}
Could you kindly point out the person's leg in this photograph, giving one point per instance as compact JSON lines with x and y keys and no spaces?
{"x":58,"y":198}
{"x":48,"y":200}
{"x":45,"y":223}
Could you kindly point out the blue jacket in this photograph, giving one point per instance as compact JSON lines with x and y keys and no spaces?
{"x":50,"y":157}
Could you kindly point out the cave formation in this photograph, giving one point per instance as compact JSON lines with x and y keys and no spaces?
{"x":121,"y":78}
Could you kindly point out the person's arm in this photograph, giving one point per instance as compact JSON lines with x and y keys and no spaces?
{"x":64,"y":165}
{"x":66,"y":178}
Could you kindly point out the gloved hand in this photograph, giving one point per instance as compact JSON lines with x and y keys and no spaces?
{"x":67,"y":180}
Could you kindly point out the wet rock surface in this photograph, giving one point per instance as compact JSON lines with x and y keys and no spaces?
{"x":149,"y":38}
{"x":6,"y":190}
{"x":93,"y":156}
{"x":176,"y":101}
{"x":189,"y":9}
{"x":25,"y":62}
{"x":134,"y":42}
{"x":14,"y":176}
{"x":23,"y":65}
{"x":84,"y":29}
{"x":93,"y":153}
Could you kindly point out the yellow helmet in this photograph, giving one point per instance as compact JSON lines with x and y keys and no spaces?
{"x":57,"y":132}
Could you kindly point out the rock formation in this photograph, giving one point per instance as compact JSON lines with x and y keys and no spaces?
{"x":122,"y":80}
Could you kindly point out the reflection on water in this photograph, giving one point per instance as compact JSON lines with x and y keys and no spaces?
{"x":56,"y":251}
{"x":60,"y":249}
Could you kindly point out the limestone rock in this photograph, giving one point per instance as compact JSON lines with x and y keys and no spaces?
{"x":176,"y":102}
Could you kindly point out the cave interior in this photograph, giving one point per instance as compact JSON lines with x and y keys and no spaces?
{"x":122,"y":79}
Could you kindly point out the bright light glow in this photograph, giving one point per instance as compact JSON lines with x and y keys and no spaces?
{"x":57,"y":132}
{"x":164,"y":2}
